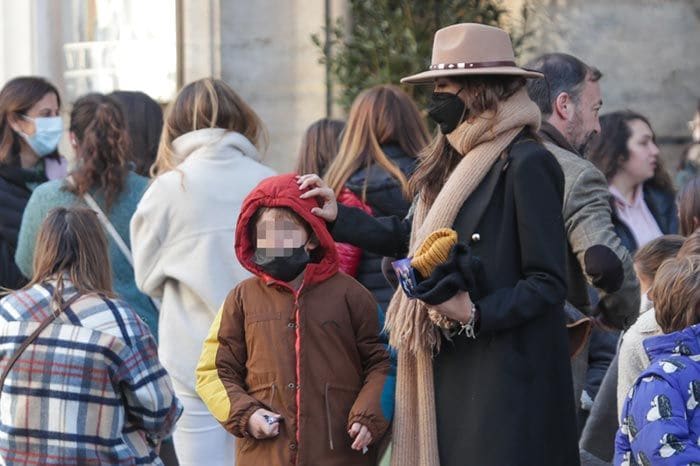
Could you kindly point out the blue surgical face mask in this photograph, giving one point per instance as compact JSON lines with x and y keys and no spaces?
{"x":48,"y":131}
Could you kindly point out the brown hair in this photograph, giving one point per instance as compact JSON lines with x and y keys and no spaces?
{"x":206,"y":103}
{"x":649,"y":257}
{"x":280,"y":212}
{"x":319,"y":146}
{"x":609,"y":151}
{"x":380,"y":115}
{"x":144,"y":118}
{"x":103,"y":146}
{"x":689,"y":206}
{"x":691,"y":245}
{"x":439,"y":158}
{"x":676,"y":293}
{"x":17,"y":97}
{"x":71,"y":244}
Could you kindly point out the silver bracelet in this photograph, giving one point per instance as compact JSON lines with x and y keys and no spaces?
{"x":468,"y":327}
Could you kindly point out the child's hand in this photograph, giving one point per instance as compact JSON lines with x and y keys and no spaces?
{"x":361,"y":435}
{"x":260,"y":428}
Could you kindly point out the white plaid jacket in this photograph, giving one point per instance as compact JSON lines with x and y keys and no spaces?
{"x":89,"y":390}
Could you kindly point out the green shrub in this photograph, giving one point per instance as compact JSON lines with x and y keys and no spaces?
{"x":390,"y":39}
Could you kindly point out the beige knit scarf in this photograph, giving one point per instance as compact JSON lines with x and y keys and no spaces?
{"x":411,"y":331}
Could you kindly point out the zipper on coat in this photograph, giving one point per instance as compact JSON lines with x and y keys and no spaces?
{"x":328,"y":418}
{"x":297,"y":352}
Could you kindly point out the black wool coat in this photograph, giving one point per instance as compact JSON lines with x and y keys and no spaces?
{"x":14,"y":195}
{"x":385,"y":197}
{"x":504,"y":398}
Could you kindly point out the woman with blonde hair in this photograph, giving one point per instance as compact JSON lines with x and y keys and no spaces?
{"x":483,"y":372}
{"x":182,"y":235}
{"x":377,"y":155}
{"x":81,"y":381}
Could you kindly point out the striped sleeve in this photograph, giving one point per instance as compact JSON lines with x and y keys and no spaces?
{"x":221,"y":369}
{"x":150,"y":399}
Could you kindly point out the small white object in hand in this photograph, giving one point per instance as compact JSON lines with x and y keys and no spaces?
{"x":364,"y":450}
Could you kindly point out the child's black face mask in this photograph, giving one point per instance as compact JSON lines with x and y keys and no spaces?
{"x":285,"y":267}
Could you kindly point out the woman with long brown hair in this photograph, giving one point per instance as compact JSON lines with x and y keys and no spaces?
{"x":30,"y":129}
{"x":377,"y":155}
{"x":183,"y":232}
{"x":81,"y":380}
{"x":319,"y":146}
{"x":643,"y":203}
{"x":98,"y":134}
{"x":483,"y":357}
{"x":689,"y":206}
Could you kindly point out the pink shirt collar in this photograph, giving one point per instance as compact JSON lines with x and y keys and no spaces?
{"x":636,"y":215}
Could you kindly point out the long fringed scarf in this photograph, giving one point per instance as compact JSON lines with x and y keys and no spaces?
{"x":411,"y":331}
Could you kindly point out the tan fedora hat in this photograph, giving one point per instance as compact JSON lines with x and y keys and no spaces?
{"x":470,"y":48}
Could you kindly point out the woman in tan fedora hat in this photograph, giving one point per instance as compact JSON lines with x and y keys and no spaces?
{"x":483,"y":359}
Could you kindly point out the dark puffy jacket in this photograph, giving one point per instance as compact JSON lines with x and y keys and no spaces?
{"x":662,"y":205}
{"x":14,"y":195}
{"x":349,"y":256}
{"x":385,"y":198}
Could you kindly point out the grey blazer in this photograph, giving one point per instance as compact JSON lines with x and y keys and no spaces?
{"x":587,"y":219}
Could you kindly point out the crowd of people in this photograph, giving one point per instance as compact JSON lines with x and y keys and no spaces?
{"x":520,"y":288}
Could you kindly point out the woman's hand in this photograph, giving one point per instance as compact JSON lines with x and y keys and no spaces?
{"x":459,"y":307}
{"x":361,"y":435}
{"x":260,"y":428}
{"x":319,"y":188}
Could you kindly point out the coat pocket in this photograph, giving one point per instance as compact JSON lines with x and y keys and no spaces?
{"x":262,"y":316}
{"x":265,"y":394}
{"x":338,"y":400}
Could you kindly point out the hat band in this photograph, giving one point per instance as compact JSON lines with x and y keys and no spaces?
{"x":472,"y":65}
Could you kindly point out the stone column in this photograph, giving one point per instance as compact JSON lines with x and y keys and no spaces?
{"x":268,"y":57}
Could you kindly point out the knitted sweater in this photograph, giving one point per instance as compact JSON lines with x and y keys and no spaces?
{"x":51,"y":195}
{"x":633,"y":358}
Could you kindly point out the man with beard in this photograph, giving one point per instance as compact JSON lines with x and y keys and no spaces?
{"x":569,"y":99}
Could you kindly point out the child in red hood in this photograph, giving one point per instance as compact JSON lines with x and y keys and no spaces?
{"x":294,"y":364}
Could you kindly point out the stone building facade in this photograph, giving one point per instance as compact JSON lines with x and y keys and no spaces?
{"x":647,"y":50}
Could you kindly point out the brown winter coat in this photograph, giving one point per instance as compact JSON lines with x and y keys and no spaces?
{"x":314,"y":356}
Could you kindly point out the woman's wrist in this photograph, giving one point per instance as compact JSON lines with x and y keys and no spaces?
{"x":469,"y":325}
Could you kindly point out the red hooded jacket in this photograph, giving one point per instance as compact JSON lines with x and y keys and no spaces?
{"x":314,"y":355}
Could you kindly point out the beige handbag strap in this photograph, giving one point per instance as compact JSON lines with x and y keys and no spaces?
{"x":90,"y":201}
{"x":28,"y":341}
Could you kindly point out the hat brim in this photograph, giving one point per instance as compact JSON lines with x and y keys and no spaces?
{"x":427,"y":77}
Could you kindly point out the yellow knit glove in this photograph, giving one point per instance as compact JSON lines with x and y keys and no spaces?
{"x":434,"y":251}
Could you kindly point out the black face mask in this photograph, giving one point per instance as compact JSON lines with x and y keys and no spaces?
{"x":284,"y":268}
{"x":447,"y":110}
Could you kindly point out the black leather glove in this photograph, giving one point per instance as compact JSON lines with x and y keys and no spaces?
{"x":604,"y":268}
